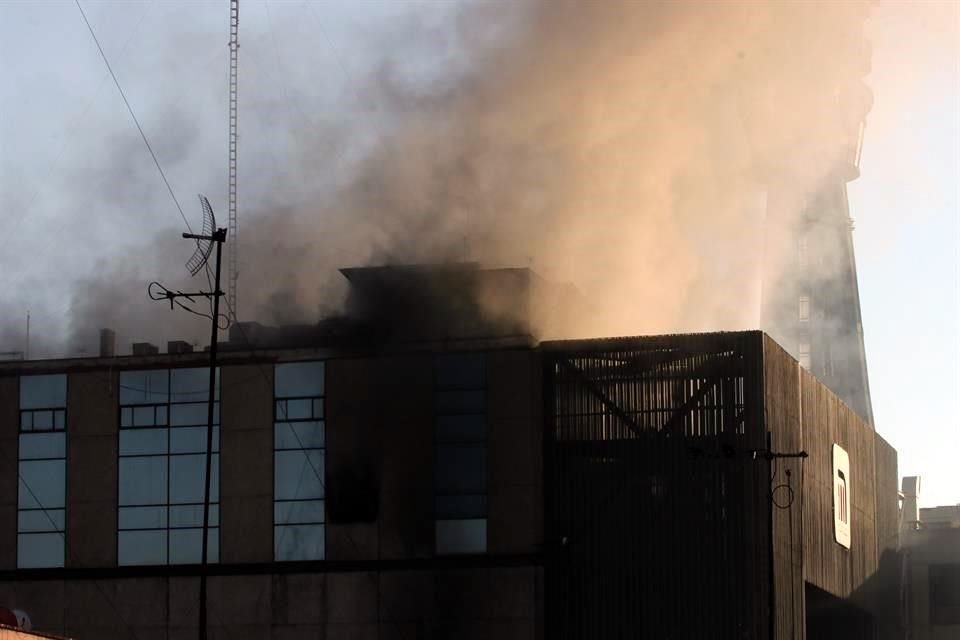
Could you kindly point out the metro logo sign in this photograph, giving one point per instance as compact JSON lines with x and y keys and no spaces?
{"x":841,"y":496}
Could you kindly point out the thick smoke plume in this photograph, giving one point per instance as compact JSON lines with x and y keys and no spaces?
{"x":630,"y":147}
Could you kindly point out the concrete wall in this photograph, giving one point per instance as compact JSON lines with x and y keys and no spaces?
{"x":379,"y":415}
{"x":487,"y":603}
{"x":92,"y":426}
{"x":246,"y":464}
{"x":9,"y":445}
{"x":923,"y":548}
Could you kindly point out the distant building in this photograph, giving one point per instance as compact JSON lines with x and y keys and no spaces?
{"x":376,"y":476}
{"x":930,"y":538}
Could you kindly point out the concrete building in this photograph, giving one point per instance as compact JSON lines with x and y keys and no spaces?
{"x":376,"y":477}
{"x":930,"y":538}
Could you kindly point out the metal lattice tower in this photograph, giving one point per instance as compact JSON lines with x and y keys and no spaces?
{"x":233,"y":248}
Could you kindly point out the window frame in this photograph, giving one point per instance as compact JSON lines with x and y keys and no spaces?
{"x":282,"y":420}
{"x":56,"y":408}
{"x":168,"y":509}
{"x":442,"y":441}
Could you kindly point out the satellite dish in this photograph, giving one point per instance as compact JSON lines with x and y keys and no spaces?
{"x":23,"y":620}
{"x":204,"y":246}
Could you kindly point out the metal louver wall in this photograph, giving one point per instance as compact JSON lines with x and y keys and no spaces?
{"x":658,"y":518}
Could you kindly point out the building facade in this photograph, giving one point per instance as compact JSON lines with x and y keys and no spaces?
{"x":930,"y":539}
{"x":481,"y":488}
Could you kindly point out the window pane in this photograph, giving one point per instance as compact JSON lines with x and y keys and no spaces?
{"x":311,"y":511}
{"x":192,"y":414}
{"x":299,"y":435}
{"x":461,"y":536}
{"x":26,"y":420}
{"x":459,"y":370}
{"x":185,"y":547}
{"x":192,"y":515}
{"x":192,"y":439}
{"x":126,"y":417}
{"x":142,"y":547}
{"x":33,"y":521}
{"x":298,"y":379}
{"x":192,"y":385}
{"x":187,"y":475}
{"x":143,"y":441}
{"x":296,"y":410}
{"x":43,"y":420}
{"x":143,"y":481}
{"x":59,"y":419}
{"x":298,"y":542}
{"x":143,"y":417}
{"x":42,"y":480}
{"x":318,"y":408}
{"x":42,"y":445}
{"x":460,"y":428}
{"x":461,"y":468}
{"x":144,"y":387}
{"x":40,"y":392}
{"x":463,"y":506}
{"x":35,"y":550}
{"x":460,"y":401}
{"x":298,"y":475}
{"x":142,"y":518}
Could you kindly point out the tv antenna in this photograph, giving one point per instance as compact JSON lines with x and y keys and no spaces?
{"x":234,"y":247}
{"x":209,"y":237}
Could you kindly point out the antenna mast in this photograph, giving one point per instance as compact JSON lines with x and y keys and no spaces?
{"x":233,"y":248}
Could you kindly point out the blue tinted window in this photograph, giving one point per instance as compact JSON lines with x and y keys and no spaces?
{"x":42,"y":469}
{"x":298,"y":542}
{"x":43,"y":392}
{"x":299,"y":380}
{"x":163,"y":440}
{"x":144,"y":387}
{"x":461,"y":536}
{"x":299,"y":510}
{"x":36,"y":550}
{"x":460,"y":453}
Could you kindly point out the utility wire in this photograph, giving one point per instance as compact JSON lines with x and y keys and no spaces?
{"x":134,"y":116}
{"x":63,"y":535}
{"x":313,"y":468}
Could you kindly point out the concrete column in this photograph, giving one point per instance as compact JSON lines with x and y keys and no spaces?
{"x":514,"y":463}
{"x":9,"y":430}
{"x":246,"y":464}
{"x":92,"y":425}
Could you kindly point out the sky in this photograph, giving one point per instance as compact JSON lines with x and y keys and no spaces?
{"x":77,"y":186}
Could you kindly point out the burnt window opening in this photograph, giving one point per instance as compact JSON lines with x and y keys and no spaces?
{"x":353,"y":494}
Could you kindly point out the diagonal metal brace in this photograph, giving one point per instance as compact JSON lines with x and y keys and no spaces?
{"x":600,"y":395}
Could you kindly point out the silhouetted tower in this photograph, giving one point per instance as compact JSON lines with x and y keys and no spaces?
{"x":811,"y":299}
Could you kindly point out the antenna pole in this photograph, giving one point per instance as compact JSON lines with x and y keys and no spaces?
{"x":27,"y":346}
{"x":234,"y":247}
{"x":197,"y":262}
{"x":219,"y":237}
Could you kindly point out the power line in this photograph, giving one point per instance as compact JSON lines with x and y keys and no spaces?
{"x":134,"y":116}
{"x":66,"y":541}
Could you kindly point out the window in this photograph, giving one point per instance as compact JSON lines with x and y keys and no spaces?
{"x":460,"y":454}
{"x":804,"y":309}
{"x":299,"y":512}
{"x":945,"y":594}
{"x":841,"y":496}
{"x":42,"y":467}
{"x":803,"y":355}
{"x":802,"y":252}
{"x":162,"y":448}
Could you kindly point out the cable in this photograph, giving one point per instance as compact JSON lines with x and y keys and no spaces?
{"x":63,"y":535}
{"x":316,"y":473}
{"x":133,"y":115}
{"x":11,"y":228}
